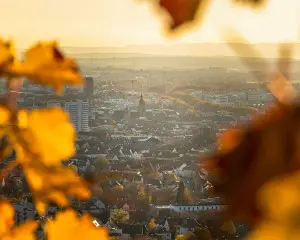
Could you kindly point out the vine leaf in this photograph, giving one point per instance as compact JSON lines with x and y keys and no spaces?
{"x":36,"y":134}
{"x":5,"y":115}
{"x":68,"y":226}
{"x":267,"y":149}
{"x":181,"y":11}
{"x":279,"y":201}
{"x":54,"y":184}
{"x":45,"y":64}
{"x":7,"y":232}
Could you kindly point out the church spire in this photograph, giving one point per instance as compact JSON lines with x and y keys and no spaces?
{"x":142,"y":101}
{"x":142,"y":106}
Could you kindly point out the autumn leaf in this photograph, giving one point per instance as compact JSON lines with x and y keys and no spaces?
{"x":7,"y":54}
{"x":5,"y":115}
{"x":7,"y":232}
{"x":23,"y":232}
{"x":229,"y":140}
{"x":265,"y":151}
{"x":45,"y":64}
{"x":186,"y":11}
{"x":279,"y":202}
{"x":268,"y":231}
{"x":181,"y":11}
{"x":68,"y":226}
{"x":6,"y":217}
{"x":46,"y":134}
{"x":54,"y":184}
{"x":284,"y":208}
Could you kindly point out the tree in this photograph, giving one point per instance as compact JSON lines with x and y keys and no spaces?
{"x":113,"y":238}
{"x":202,"y":233}
{"x":119,"y":215}
{"x":142,"y":193}
{"x":151,"y":224}
{"x":101,"y":163}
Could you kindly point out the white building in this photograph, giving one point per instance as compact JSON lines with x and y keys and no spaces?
{"x":53,"y":103}
{"x":221,"y":99}
{"x":79,"y":112}
{"x":258,"y":96}
{"x":201,"y":207}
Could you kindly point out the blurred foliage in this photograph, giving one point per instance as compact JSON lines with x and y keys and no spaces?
{"x":254,"y":165}
{"x":42,"y":139}
{"x":182,"y":12}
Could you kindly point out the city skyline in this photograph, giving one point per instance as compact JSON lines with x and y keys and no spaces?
{"x":95,"y":23}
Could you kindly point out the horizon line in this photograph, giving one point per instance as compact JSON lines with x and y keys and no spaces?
{"x":176,"y":44}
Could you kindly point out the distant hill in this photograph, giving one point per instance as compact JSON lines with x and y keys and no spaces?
{"x":269,"y":50}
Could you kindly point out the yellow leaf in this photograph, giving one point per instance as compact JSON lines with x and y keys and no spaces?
{"x":4,"y":115}
{"x":45,"y":64}
{"x":59,"y":198}
{"x":68,"y":226}
{"x":34,"y":178}
{"x":41,"y":207}
{"x":54,"y":184}
{"x":47,"y":134}
{"x":283,"y":207}
{"x":6,"y":151}
{"x":22,"y":232}
{"x":6,"y":217}
{"x":22,"y":118}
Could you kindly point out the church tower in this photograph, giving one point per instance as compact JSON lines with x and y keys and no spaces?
{"x":142,"y":106}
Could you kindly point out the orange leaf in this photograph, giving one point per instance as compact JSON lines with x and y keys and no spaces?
{"x":181,"y":11}
{"x":229,"y":140}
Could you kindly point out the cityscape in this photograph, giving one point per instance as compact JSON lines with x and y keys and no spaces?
{"x":141,"y":136}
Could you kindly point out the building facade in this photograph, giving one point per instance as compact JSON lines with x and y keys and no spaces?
{"x":89,"y":87}
{"x":79,"y":112}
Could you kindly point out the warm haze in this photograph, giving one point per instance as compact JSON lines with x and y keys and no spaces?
{"x":124,"y":22}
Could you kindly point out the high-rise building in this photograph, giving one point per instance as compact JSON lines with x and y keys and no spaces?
{"x":89,"y":87}
{"x":79,"y":112}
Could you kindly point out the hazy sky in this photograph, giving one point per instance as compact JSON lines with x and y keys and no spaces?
{"x":122,"y":22}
